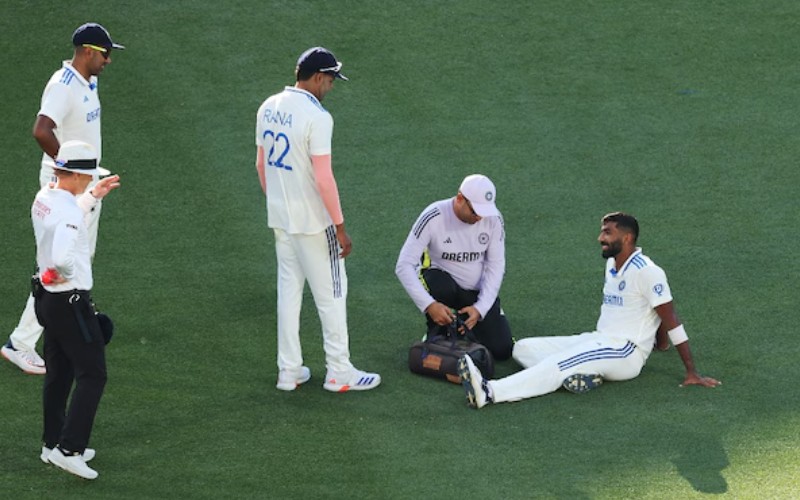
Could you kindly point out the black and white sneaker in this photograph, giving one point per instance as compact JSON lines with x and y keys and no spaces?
{"x":582,"y":382}
{"x":474,"y":384}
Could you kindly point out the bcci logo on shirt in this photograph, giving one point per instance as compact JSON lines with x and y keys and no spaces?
{"x":659,"y":289}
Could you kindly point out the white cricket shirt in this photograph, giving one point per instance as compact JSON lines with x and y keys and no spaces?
{"x":291,"y":126}
{"x":473,"y":254}
{"x":62,"y":240}
{"x":630,"y":296}
{"x":74,"y":105}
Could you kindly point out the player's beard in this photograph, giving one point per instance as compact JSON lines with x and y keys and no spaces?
{"x":614,"y":248}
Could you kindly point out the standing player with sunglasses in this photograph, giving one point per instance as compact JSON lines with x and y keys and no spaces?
{"x":465,"y":241}
{"x":70,"y":110}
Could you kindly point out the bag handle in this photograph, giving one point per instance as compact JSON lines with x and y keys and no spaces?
{"x":458,"y":328}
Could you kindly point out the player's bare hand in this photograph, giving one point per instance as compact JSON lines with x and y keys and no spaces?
{"x":662,"y":347}
{"x":472,"y":316}
{"x":105,"y":186}
{"x":696,"y":379}
{"x":344,"y":241}
{"x":440,"y":313}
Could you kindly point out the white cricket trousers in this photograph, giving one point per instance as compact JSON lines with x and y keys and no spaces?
{"x":28,"y":330}
{"x":313,"y":258}
{"x":547,"y":361}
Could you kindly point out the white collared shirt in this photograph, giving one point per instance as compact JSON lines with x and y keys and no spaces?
{"x":74,"y":105}
{"x":630,"y":296}
{"x":62,"y":240}
{"x":292,"y":126}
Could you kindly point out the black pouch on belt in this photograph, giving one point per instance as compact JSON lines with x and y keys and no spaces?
{"x":78,"y":305}
{"x":36,"y":287}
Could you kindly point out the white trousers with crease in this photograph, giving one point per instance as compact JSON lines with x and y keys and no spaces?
{"x":547,"y":361}
{"x":313,"y":258}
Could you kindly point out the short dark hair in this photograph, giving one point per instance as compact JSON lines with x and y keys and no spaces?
{"x":624,"y":221}
{"x":304,"y":74}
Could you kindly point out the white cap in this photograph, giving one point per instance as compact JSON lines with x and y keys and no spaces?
{"x":80,"y":157}
{"x":480,"y":193}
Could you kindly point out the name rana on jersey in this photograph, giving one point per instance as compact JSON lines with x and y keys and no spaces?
{"x":462,"y":256}
{"x":272,"y":116}
{"x":612,"y":300}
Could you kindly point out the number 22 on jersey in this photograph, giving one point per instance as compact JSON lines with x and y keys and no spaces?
{"x":278,"y":147}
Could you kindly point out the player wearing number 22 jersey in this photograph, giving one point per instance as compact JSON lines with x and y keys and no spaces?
{"x":292,"y":127}
{"x":293,"y":139}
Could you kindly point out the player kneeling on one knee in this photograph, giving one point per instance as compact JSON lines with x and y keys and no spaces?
{"x":461,"y":244}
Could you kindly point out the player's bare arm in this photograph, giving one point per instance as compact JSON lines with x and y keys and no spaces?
{"x":662,"y":340}
{"x":671,"y":323}
{"x":44,"y":133}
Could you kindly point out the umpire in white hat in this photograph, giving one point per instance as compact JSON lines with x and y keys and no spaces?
{"x":74,"y":347}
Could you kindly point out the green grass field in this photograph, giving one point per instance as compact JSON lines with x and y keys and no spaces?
{"x":681,"y":112}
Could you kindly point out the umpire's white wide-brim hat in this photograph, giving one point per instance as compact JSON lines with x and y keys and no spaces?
{"x":480,"y":193}
{"x":80,"y":157}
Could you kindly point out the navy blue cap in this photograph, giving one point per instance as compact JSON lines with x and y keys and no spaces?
{"x":320,"y":60}
{"x":94,"y":34}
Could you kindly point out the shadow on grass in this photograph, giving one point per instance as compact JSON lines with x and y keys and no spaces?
{"x":704,"y":471}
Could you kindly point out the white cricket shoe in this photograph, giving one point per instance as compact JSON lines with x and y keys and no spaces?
{"x":27,"y":361}
{"x":357,"y":380}
{"x":73,"y":464}
{"x":289,"y":380}
{"x":87,"y":455}
{"x":473,"y":382}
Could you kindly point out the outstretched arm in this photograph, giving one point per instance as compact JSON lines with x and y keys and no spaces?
{"x":671,"y":324}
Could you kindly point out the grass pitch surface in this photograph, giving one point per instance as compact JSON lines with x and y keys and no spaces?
{"x":682,"y":113}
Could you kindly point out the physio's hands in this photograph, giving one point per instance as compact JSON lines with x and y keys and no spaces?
{"x":473,"y":316}
{"x":440,"y":313}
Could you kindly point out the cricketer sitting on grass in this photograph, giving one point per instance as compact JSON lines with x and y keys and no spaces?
{"x":636,"y":299}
